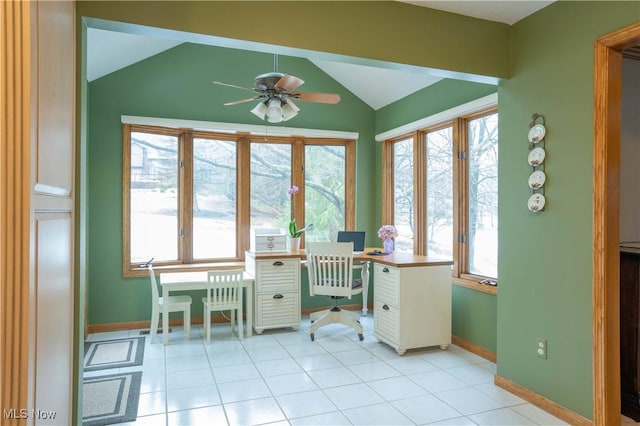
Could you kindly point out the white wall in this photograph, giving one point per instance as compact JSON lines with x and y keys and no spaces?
{"x":630,"y":152}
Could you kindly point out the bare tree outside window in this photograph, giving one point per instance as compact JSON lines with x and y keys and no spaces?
{"x":187,"y":201}
{"x":440,"y":193}
{"x":449,"y":180}
{"x":483,"y":195}
{"x":154,"y":197}
{"x":403,"y":194}
{"x":325,"y":191}
{"x":270,"y":178}
{"x":214,"y":198}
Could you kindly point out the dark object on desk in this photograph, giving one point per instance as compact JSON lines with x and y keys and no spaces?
{"x":355,"y":237}
{"x":377,"y":253}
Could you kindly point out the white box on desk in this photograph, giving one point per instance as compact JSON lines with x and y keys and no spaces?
{"x":274,"y":241}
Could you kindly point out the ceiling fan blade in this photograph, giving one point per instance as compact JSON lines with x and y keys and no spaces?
{"x":323,"y":98}
{"x":241,"y":101}
{"x":236,"y":87}
{"x":288,"y":83}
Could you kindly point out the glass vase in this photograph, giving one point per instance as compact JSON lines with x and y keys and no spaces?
{"x":387,"y":245}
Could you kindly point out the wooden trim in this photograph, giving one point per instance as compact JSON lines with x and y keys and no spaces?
{"x":460,"y":191}
{"x":126,"y":199}
{"x":15,"y":207}
{"x":420,"y":184}
{"x":298,"y":179}
{"x":243,"y":191}
{"x":473,"y":348}
{"x":542,"y":402}
{"x":350,"y":185}
{"x":387,"y":182}
{"x":606,"y":186}
{"x":474,"y":285}
{"x":185,"y":196}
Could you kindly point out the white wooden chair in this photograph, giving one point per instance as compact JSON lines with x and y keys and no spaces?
{"x":180,"y":303}
{"x":224,"y":293}
{"x":330,"y":267}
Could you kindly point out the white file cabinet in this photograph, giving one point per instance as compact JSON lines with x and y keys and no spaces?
{"x":277,"y":291}
{"x":412,"y":306}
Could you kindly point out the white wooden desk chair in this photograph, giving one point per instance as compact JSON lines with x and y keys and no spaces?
{"x":223,"y":293}
{"x":330,"y":267}
{"x":180,"y":303}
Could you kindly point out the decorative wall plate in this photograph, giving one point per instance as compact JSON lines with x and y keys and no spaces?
{"x":537,"y":179}
{"x":536,"y":133}
{"x":536,"y":156}
{"x":536,"y":202}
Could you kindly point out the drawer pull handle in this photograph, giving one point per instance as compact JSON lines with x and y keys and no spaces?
{"x":385,"y":307}
{"x":278,"y":296}
{"x":385,"y":269}
{"x":278,"y":263}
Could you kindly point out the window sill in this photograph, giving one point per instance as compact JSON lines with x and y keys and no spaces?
{"x":474,"y":285}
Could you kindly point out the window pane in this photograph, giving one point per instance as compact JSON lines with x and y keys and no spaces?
{"x":154,"y":197}
{"x":325,"y":191}
{"x":214,"y":199}
{"x":483,"y":196}
{"x":403,"y":194}
{"x":270,"y":179}
{"x":440,"y":193}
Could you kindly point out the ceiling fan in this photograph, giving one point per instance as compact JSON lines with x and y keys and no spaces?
{"x":276,"y":92}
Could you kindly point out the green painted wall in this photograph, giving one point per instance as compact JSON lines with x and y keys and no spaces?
{"x":381,"y":30}
{"x":177,"y":84}
{"x":431,"y":100}
{"x":474,"y":317}
{"x":545,"y":258}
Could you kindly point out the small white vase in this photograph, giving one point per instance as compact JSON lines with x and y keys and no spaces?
{"x":294,"y":243}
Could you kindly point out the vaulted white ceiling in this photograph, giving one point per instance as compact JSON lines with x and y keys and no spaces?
{"x":109,"y":51}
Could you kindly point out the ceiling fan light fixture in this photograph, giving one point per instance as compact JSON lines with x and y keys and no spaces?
{"x":260,"y":110}
{"x":274,"y":111}
{"x":289,"y":110}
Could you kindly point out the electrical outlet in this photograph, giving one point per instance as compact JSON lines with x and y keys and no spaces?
{"x":541,"y":348}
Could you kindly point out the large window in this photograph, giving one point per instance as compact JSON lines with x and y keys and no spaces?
{"x":270,"y":168}
{"x":439,"y":176}
{"x":482,"y":210}
{"x":443,"y":194}
{"x":325,"y":191}
{"x":403,"y":194}
{"x":193,"y":197}
{"x":214,"y":198}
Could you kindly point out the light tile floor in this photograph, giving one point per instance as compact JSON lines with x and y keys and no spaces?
{"x":282,"y":378}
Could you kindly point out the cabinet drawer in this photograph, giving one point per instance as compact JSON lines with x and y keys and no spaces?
{"x":278,"y":276}
{"x":272,"y":310}
{"x":386,"y":321}
{"x":387,"y":285}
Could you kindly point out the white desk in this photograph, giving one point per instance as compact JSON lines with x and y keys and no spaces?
{"x":197,"y":280}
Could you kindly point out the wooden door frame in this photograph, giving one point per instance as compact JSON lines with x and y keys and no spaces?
{"x":15,"y":159}
{"x":606,"y":222}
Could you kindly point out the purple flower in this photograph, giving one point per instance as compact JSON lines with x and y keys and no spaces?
{"x":387,"y":231}
{"x":293,"y":190}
